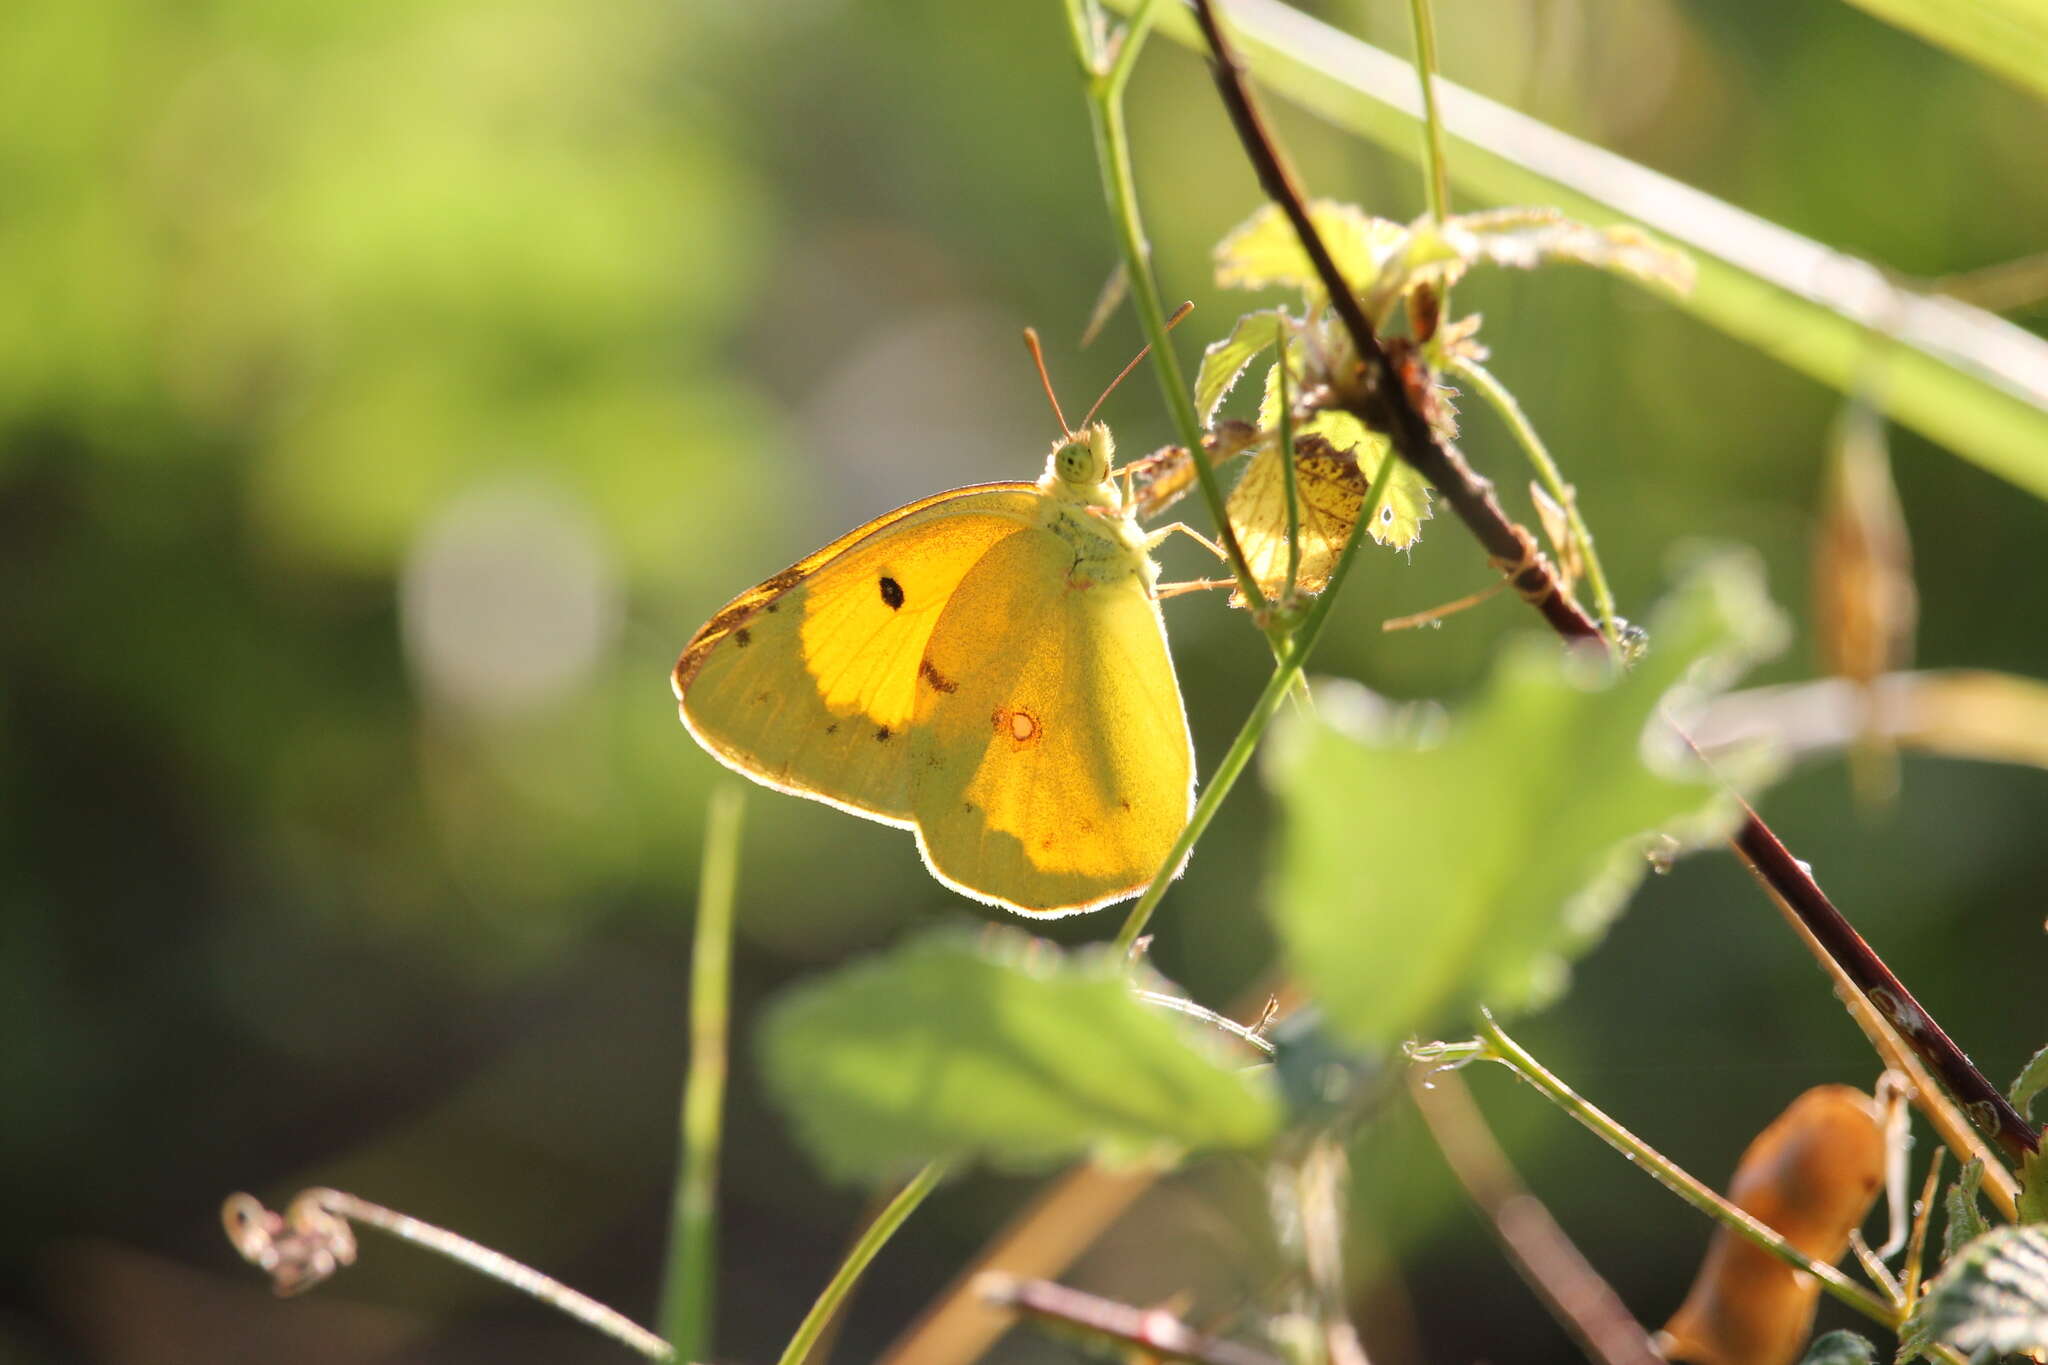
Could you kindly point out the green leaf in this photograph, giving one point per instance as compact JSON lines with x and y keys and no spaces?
{"x":1965,"y":1220}
{"x":2033,"y":1201}
{"x":1995,"y":1295}
{"x":1003,"y":1049}
{"x":1225,"y":360}
{"x":1956,"y":374}
{"x":1840,"y":1348}
{"x":1264,"y":251}
{"x":2033,"y":1079}
{"x":1415,"y":880}
{"x":2009,"y":37}
{"x":1523,"y":238}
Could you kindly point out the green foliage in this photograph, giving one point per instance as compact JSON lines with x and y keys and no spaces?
{"x":1004,"y":1050}
{"x":1263,"y":251}
{"x":1965,"y":1220}
{"x":2009,"y":37}
{"x":1840,"y":1348}
{"x":2032,"y":1080}
{"x":2033,"y":1201}
{"x":1962,"y":378}
{"x":1225,"y":360}
{"x":1994,"y":1295}
{"x":1417,"y":879}
{"x":1525,"y":238}
{"x":1384,"y":261}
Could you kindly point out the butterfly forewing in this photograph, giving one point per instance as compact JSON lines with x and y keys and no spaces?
{"x":810,"y":681}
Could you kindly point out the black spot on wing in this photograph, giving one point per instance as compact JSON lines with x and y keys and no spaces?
{"x":892,"y":593}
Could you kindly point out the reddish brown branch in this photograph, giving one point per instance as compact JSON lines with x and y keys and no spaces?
{"x":1381,"y":401}
{"x":1154,"y":1333}
{"x":1785,"y":875}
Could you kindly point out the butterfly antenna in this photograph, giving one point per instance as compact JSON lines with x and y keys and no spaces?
{"x":1143,"y":351}
{"x":1038,"y":356}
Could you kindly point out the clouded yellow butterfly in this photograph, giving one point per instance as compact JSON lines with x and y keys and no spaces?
{"x":987,"y":667}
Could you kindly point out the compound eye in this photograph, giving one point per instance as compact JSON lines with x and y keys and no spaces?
{"x":1075,"y":463}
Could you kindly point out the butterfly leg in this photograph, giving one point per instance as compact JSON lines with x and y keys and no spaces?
{"x":1436,"y":614}
{"x":1166,"y":590}
{"x":1158,"y":537}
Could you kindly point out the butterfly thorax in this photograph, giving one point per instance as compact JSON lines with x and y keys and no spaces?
{"x":1084,"y":507}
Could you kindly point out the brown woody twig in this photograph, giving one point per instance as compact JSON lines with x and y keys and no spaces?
{"x":1380,"y":398}
{"x":1154,"y":1333}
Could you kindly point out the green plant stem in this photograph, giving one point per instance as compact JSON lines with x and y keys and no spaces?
{"x":1435,"y":165}
{"x":1285,"y":674}
{"x":1119,"y":187}
{"x":1289,"y":479}
{"x":1960,"y":377}
{"x":1503,"y":1049}
{"x":1503,"y":402}
{"x":1436,"y":178}
{"x":688,"y":1295}
{"x":872,"y":1240}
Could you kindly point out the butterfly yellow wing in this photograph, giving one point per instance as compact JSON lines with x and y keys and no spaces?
{"x":1052,"y":768}
{"x":810,"y":682}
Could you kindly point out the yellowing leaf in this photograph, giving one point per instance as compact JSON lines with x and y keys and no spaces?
{"x":1864,"y":600}
{"x":1264,"y":250}
{"x":1527,"y":238}
{"x":1225,"y":360}
{"x":1340,"y":464}
{"x":1330,"y":489}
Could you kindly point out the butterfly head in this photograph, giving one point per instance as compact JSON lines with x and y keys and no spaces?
{"x":1079,"y":463}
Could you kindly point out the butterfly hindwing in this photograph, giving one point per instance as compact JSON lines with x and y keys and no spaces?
{"x":1052,"y":764}
{"x":809,"y":682}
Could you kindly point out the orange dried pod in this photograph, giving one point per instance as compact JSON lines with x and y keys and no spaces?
{"x":1812,"y":1175}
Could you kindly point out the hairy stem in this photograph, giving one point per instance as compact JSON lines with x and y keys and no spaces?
{"x":1668,"y":1173}
{"x":1120,"y":190}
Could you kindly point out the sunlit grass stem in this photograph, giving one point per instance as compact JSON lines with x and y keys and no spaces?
{"x":1436,"y":177}
{"x":872,"y":1240}
{"x":689,"y":1285}
{"x":1105,"y":87}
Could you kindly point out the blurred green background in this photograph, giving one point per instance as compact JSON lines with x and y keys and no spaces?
{"x":387,"y":390}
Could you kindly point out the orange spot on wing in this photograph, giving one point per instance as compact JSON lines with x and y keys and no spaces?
{"x":1020,"y":725}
